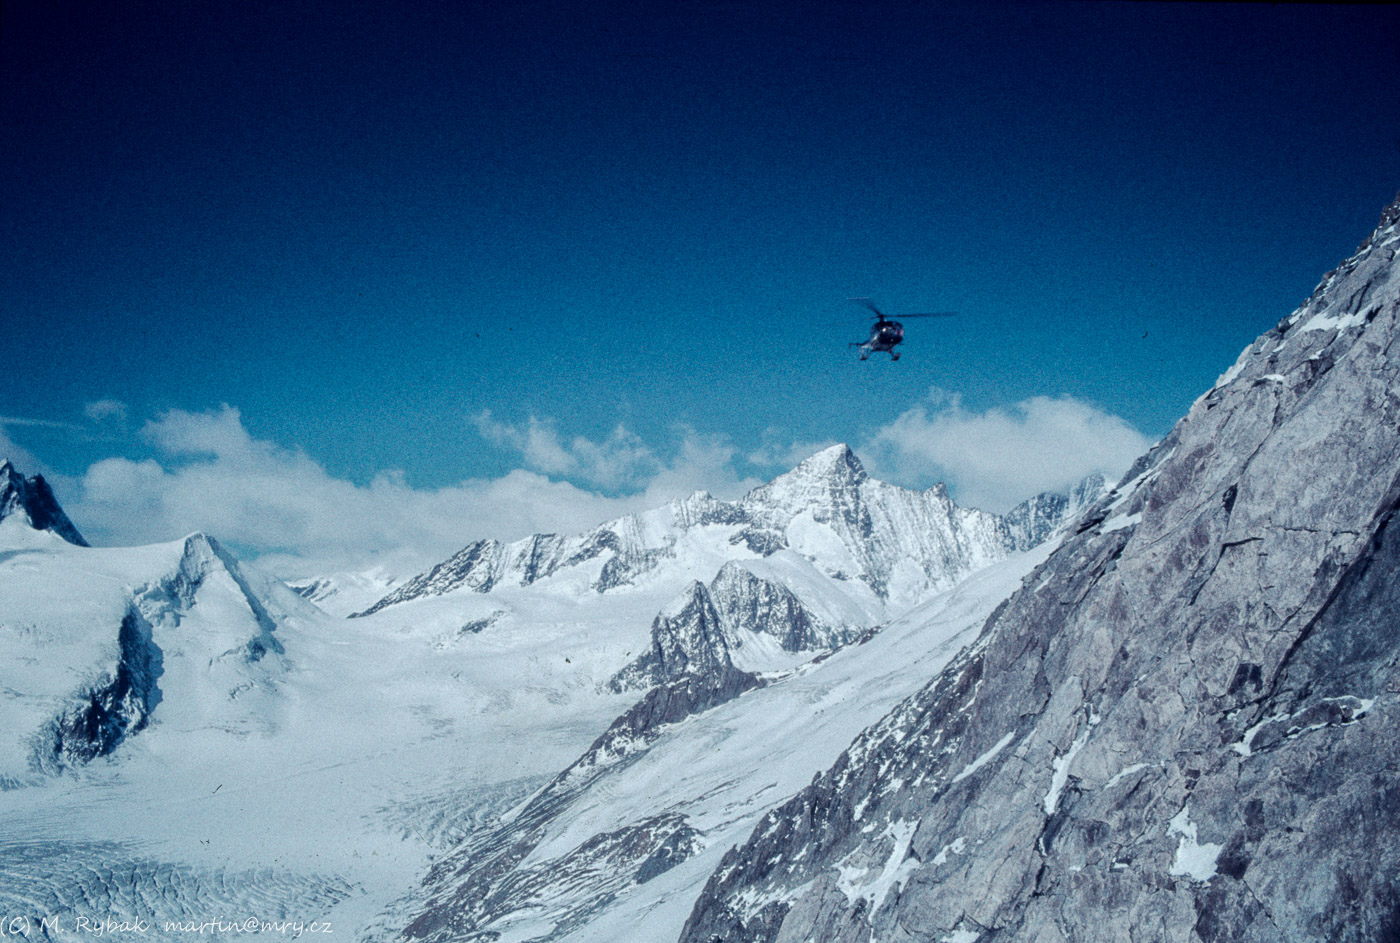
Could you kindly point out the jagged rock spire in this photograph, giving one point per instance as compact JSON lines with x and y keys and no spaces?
{"x":35,"y":499}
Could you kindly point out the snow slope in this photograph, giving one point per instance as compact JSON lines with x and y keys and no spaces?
{"x":343,"y":593}
{"x":282,"y":763}
{"x":625,"y":856}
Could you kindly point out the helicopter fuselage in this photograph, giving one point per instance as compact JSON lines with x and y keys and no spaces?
{"x":884,"y":335}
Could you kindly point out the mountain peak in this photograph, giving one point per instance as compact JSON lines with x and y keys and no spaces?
{"x":836,"y":461}
{"x":831,"y":477}
{"x":836,"y":465}
{"x":36,"y":500}
{"x":1391,"y":214}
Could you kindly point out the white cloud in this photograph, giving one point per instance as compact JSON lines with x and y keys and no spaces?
{"x":106,"y":409}
{"x":622,"y":461}
{"x":998,"y":458}
{"x":219,"y":434}
{"x":39,"y":423}
{"x":207,"y":473}
{"x":281,"y":506}
{"x":701,"y":463}
{"x":538,"y":442}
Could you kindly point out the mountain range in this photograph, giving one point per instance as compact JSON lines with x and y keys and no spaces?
{"x":323,"y":715}
{"x":833,"y":710}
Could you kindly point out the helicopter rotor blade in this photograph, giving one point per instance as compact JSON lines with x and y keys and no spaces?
{"x":930,"y":314}
{"x":869,"y":304}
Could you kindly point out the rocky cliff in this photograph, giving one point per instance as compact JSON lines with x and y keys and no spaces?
{"x":1182,"y":726}
{"x":707,"y":629}
{"x":34,"y":499}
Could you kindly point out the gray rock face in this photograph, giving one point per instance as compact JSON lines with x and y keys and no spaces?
{"x":752,"y":604}
{"x":688,"y":639}
{"x":112,"y":711}
{"x":1035,"y":520}
{"x":701,"y":633}
{"x":1184,"y":725}
{"x":33,"y":498}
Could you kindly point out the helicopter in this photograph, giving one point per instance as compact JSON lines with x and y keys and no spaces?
{"x":886,"y":332}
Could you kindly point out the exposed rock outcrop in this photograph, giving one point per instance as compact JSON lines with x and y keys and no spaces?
{"x":109,"y":712}
{"x":33,"y":498}
{"x":1036,"y":519}
{"x":687,"y":639}
{"x":706,"y":628}
{"x":751,"y":604}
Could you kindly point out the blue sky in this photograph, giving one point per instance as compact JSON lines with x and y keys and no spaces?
{"x":603,"y":251}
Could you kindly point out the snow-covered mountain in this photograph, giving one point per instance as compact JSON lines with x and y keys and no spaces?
{"x":153,"y":694}
{"x":1159,"y":735}
{"x":344,"y":593}
{"x":752,"y":681}
{"x":834,"y":710}
{"x":96,"y":640}
{"x":1034,"y":521}
{"x":183,"y":738}
{"x":149,"y":725}
{"x":805,"y":563}
{"x":616,"y":846}
{"x":901,"y":544}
